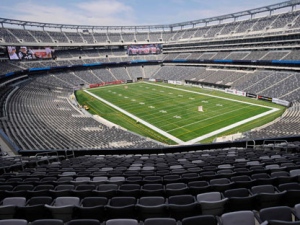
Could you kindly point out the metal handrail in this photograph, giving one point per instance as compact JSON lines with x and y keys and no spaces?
{"x":253,"y":145}
{"x":266,"y":143}
{"x":69,"y":155}
{"x":48,"y":155}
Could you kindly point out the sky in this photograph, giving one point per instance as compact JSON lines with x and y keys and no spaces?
{"x":123,"y":12}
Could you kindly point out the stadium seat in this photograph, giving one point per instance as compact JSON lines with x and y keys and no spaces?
{"x":198,"y":187}
{"x":237,"y":218}
{"x":83,"y":222}
{"x":200,"y":220}
{"x":121,"y":207}
{"x":221,"y":184}
{"x":281,"y":213}
{"x":243,"y":181}
{"x":160,"y":221}
{"x":13,"y":222}
{"x":151,"y":207}
{"x":211,"y":203}
{"x":106,"y":190}
{"x":152,"y":190}
{"x":267,"y":196}
{"x":176,"y":189}
{"x":129,"y":190}
{"x":8,"y":206}
{"x":122,"y":222}
{"x":41,"y":190}
{"x":181,"y":206}
{"x":34,"y":208}
{"x":91,"y":208}
{"x":48,"y":222}
{"x":62,"y":208}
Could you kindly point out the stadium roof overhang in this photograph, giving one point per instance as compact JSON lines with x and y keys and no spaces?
{"x":270,"y":8}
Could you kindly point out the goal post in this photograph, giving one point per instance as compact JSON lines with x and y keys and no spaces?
{"x":200,"y":108}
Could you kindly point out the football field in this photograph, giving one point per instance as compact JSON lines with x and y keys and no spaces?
{"x":173,"y":112}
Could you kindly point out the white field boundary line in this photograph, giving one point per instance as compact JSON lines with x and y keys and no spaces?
{"x":177,"y":140}
{"x":193,"y":141}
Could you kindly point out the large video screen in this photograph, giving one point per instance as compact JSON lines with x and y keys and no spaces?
{"x":29,"y":53}
{"x":144,"y":49}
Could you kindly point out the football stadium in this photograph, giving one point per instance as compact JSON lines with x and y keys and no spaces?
{"x":187,"y":123}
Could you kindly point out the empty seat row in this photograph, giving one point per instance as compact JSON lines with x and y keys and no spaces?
{"x":133,"y":187}
{"x":273,"y":216}
{"x":164,"y":179}
{"x":178,"y":206}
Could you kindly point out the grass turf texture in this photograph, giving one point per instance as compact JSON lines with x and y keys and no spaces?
{"x":175,"y":111}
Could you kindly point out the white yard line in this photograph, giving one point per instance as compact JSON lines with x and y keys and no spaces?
{"x":195,"y":92}
{"x":193,"y":141}
{"x":178,"y":141}
{"x":209,"y":118}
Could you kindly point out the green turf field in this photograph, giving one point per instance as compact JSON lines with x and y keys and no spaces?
{"x":174,"y":109}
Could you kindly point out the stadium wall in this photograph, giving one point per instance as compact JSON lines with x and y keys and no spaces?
{"x":172,"y":149}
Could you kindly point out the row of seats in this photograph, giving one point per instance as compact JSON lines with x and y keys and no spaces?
{"x":151,"y":188}
{"x":281,"y":215}
{"x":275,"y":23}
{"x":177,"y":206}
{"x":162,"y":170}
{"x":228,"y":176}
{"x":128,"y":169}
{"x":140,"y":184}
{"x":135,"y":190}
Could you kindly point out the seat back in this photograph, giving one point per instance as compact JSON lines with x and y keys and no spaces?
{"x":64,"y":201}
{"x":295,"y":172}
{"x":238,"y":218}
{"x":122,"y":201}
{"x":48,"y":222}
{"x":181,"y":199}
{"x":13,"y":222}
{"x":93,"y":201}
{"x":200,"y":220}
{"x":15,"y":201}
{"x":263,"y":189}
{"x":42,"y":200}
{"x":122,"y":222}
{"x":219,"y":181}
{"x":276,"y":213}
{"x":239,"y":192}
{"x":83,"y":222}
{"x":160,"y":221}
{"x":209,"y":196}
{"x":152,"y":201}
{"x":62,"y":187}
